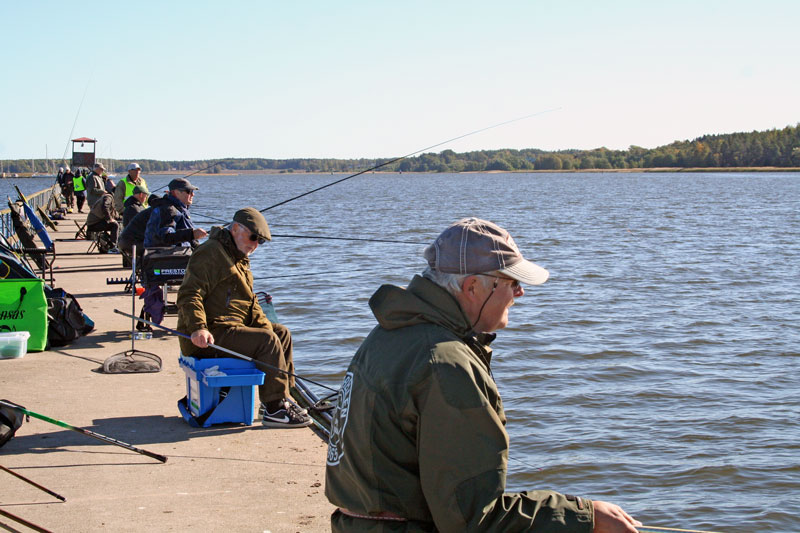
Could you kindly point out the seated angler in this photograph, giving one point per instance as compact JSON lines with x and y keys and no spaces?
{"x":169,"y":223}
{"x":101,"y":218}
{"x":134,"y":204}
{"x":217,"y":305}
{"x":133,"y":233}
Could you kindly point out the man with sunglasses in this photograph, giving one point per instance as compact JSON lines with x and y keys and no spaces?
{"x":217,"y":305}
{"x":418,"y":440}
{"x":169,"y":223}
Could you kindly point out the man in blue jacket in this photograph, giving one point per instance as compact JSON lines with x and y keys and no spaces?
{"x":170,"y":223}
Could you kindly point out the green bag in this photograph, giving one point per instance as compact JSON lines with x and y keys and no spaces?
{"x":23,"y":307}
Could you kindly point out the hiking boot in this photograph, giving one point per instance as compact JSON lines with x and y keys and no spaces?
{"x":290,"y":416}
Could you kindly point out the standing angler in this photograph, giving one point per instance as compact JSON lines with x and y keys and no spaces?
{"x":124,"y":188}
{"x":418,"y":440}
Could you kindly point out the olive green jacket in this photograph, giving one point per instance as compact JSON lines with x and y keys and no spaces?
{"x":419,"y":428}
{"x":217,"y":290}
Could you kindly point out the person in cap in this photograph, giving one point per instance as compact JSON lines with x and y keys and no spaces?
{"x":95,"y":184}
{"x":217,"y":305}
{"x":132,"y":234}
{"x":124,"y":188}
{"x":169,"y":223}
{"x":134,"y":204}
{"x":418,"y":439}
{"x":101,"y":219}
{"x":67,"y":189}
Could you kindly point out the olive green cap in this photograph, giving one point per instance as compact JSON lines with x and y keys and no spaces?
{"x":253,"y":220}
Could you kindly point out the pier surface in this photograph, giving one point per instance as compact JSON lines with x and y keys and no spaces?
{"x":227,"y":477}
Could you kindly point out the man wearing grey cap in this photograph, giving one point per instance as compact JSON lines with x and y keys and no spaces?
{"x":217,"y":305}
{"x":95,"y":184}
{"x":418,"y":440}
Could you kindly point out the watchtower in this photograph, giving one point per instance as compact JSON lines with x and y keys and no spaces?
{"x":82,"y":155}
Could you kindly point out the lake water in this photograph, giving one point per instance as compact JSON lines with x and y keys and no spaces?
{"x":658,"y":368}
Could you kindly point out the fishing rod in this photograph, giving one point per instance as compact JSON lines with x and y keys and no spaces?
{"x":226,"y":350}
{"x":33,"y":483}
{"x":75,"y":122}
{"x":22,"y":521}
{"x":193,"y":173}
{"x":209,"y":217}
{"x":396,"y":159}
{"x":86,"y":432}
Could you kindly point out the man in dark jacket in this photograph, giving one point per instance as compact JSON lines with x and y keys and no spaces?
{"x":216,"y":305}
{"x":96,"y":184}
{"x":134,"y":204}
{"x":133,"y":232}
{"x":418,"y":440}
{"x":101,"y":218}
{"x":170,"y":223}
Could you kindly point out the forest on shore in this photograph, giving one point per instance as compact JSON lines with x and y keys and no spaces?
{"x":771,"y":148}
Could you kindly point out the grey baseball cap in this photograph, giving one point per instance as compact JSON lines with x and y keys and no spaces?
{"x":475,"y":246}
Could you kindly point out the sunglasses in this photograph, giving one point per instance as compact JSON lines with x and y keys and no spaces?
{"x":253,"y":237}
{"x":515,"y":284}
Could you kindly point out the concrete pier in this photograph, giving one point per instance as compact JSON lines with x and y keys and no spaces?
{"x":227,"y":477}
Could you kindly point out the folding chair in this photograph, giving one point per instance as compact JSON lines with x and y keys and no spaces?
{"x":81,"y":234}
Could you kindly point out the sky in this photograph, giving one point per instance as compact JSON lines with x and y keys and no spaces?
{"x":184,"y":80}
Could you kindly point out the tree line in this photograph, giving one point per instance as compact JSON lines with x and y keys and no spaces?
{"x":771,"y":148}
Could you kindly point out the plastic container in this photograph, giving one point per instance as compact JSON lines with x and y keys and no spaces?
{"x":204,"y":391}
{"x":13,"y":344}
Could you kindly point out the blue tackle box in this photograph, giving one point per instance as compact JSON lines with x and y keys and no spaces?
{"x":215,"y":397}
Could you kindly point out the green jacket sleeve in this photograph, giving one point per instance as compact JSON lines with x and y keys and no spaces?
{"x":463,"y":461}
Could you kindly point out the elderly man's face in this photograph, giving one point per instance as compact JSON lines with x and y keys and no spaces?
{"x":489,"y":303}
{"x":241,"y":236}
{"x":135,"y":173}
{"x":186,"y":197}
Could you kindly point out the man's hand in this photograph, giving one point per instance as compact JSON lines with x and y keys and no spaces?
{"x":202,"y":337}
{"x":199,"y":233}
{"x":610,"y":518}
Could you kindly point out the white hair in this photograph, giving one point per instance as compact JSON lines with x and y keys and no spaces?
{"x":450,"y":282}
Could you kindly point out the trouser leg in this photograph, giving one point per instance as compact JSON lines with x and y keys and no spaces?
{"x":271,"y":347}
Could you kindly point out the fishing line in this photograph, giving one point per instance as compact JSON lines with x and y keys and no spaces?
{"x":349,"y":270}
{"x":364,"y":239}
{"x":408,"y":155}
{"x":75,"y":122}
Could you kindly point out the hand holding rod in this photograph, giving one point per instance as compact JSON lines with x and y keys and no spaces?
{"x":231,"y":352}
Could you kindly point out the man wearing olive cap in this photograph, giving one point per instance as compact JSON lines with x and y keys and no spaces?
{"x":216,"y":305}
{"x":418,"y":439}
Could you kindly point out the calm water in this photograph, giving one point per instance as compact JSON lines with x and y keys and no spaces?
{"x":657,"y":368}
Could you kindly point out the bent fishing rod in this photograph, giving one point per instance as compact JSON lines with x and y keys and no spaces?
{"x":192,"y":174}
{"x":227,"y":351}
{"x":396,"y":159}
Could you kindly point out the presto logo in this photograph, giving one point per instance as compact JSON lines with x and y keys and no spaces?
{"x":339,"y":421}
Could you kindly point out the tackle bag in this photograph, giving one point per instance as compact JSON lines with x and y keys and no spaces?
{"x":66,"y":319}
{"x":23,"y":307}
{"x":160,"y":265}
{"x":10,"y":421}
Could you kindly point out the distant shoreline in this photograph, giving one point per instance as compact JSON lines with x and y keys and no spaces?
{"x":570,"y":171}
